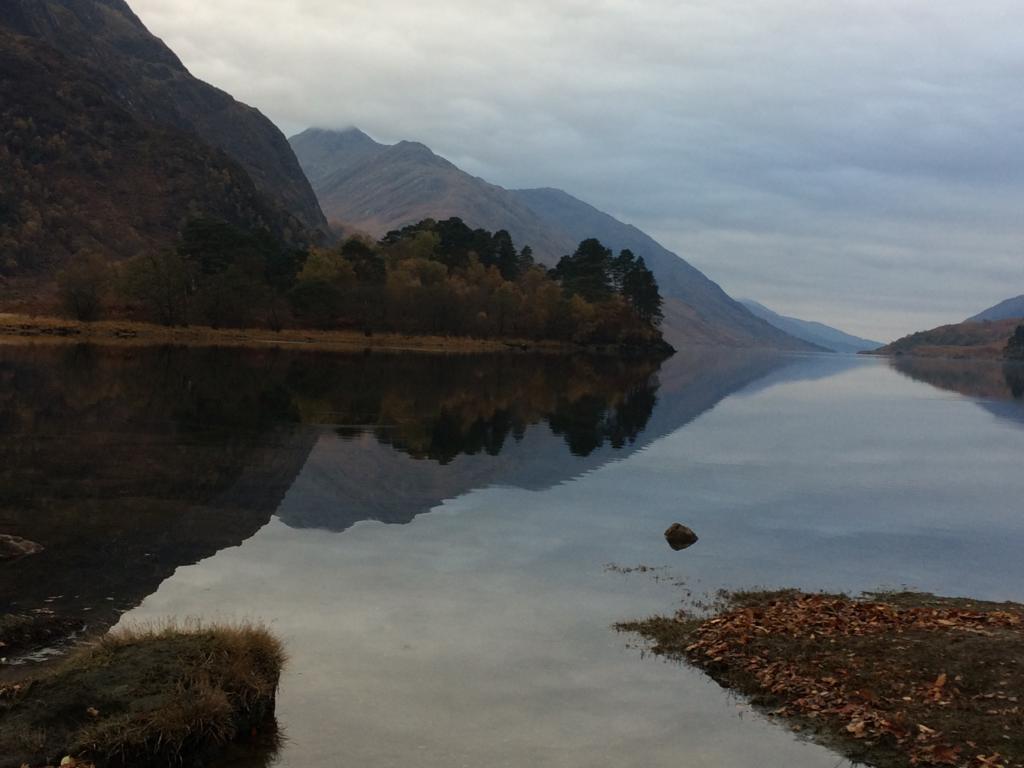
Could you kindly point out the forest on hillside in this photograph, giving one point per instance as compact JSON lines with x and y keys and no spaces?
{"x":989,"y":339}
{"x":83,"y":174}
{"x":434,"y":277}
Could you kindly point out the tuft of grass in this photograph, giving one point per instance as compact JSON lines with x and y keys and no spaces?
{"x":147,"y":696}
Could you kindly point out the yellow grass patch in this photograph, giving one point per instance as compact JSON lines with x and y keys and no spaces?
{"x":146,"y":696}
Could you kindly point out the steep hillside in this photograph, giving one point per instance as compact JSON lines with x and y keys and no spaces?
{"x":819,"y":334}
{"x":375,"y":188}
{"x":1005,"y":310}
{"x":961,"y":340}
{"x":697,"y":310}
{"x":148,"y":81}
{"x":83,"y":174}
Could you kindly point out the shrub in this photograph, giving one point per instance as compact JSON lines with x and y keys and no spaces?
{"x":83,"y":286}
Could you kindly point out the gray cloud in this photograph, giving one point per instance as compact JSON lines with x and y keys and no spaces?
{"x":856,"y":162}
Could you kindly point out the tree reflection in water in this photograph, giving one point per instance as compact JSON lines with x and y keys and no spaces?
{"x":126,"y":462}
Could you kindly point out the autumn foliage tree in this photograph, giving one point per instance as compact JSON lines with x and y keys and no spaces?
{"x":83,"y":286}
{"x":161,"y":282}
{"x":435,"y":277}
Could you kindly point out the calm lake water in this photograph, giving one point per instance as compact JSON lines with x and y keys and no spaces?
{"x":432,"y":536}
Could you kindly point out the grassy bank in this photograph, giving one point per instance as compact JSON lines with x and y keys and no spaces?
{"x":17,"y":328}
{"x":158,"y":697}
{"x":889,"y":680}
{"x":21,"y":328}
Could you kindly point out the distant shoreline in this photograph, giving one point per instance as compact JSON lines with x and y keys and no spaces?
{"x":21,"y":329}
{"x":986,"y":340}
{"x":985,"y":354}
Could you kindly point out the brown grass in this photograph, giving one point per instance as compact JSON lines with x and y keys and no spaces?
{"x":20,"y":328}
{"x":146,"y":696}
{"x":887,"y":679}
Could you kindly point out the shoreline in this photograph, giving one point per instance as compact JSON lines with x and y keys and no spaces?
{"x":161,"y":695}
{"x":32,"y":329}
{"x":965,"y":354}
{"x":888,"y":679}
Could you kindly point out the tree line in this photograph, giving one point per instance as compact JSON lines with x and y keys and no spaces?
{"x":434,"y":277}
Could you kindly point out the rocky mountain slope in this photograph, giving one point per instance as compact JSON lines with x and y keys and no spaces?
{"x":822,"y":335}
{"x":152,"y":83}
{"x":375,"y":188}
{"x":81,"y":174}
{"x":110,"y":143}
{"x":372,"y":187}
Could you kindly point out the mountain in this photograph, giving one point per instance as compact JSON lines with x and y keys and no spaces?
{"x":375,"y":188}
{"x":697,"y":310}
{"x":83,"y":174}
{"x":151,"y":82}
{"x":1005,"y":310}
{"x":110,"y":143}
{"x":985,"y":335}
{"x":961,"y":340}
{"x":819,"y":334}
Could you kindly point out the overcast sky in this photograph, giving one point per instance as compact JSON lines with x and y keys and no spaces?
{"x":857,"y":162}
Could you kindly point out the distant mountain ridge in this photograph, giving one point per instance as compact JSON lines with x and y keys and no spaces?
{"x":1005,"y":310}
{"x":378,"y":187}
{"x":374,"y":188}
{"x":819,"y":334}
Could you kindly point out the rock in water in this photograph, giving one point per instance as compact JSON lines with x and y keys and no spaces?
{"x":680,"y":537}
{"x":11,"y":547}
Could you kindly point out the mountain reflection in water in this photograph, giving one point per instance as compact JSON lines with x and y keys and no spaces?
{"x":996,"y":386}
{"x":126,"y":463}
